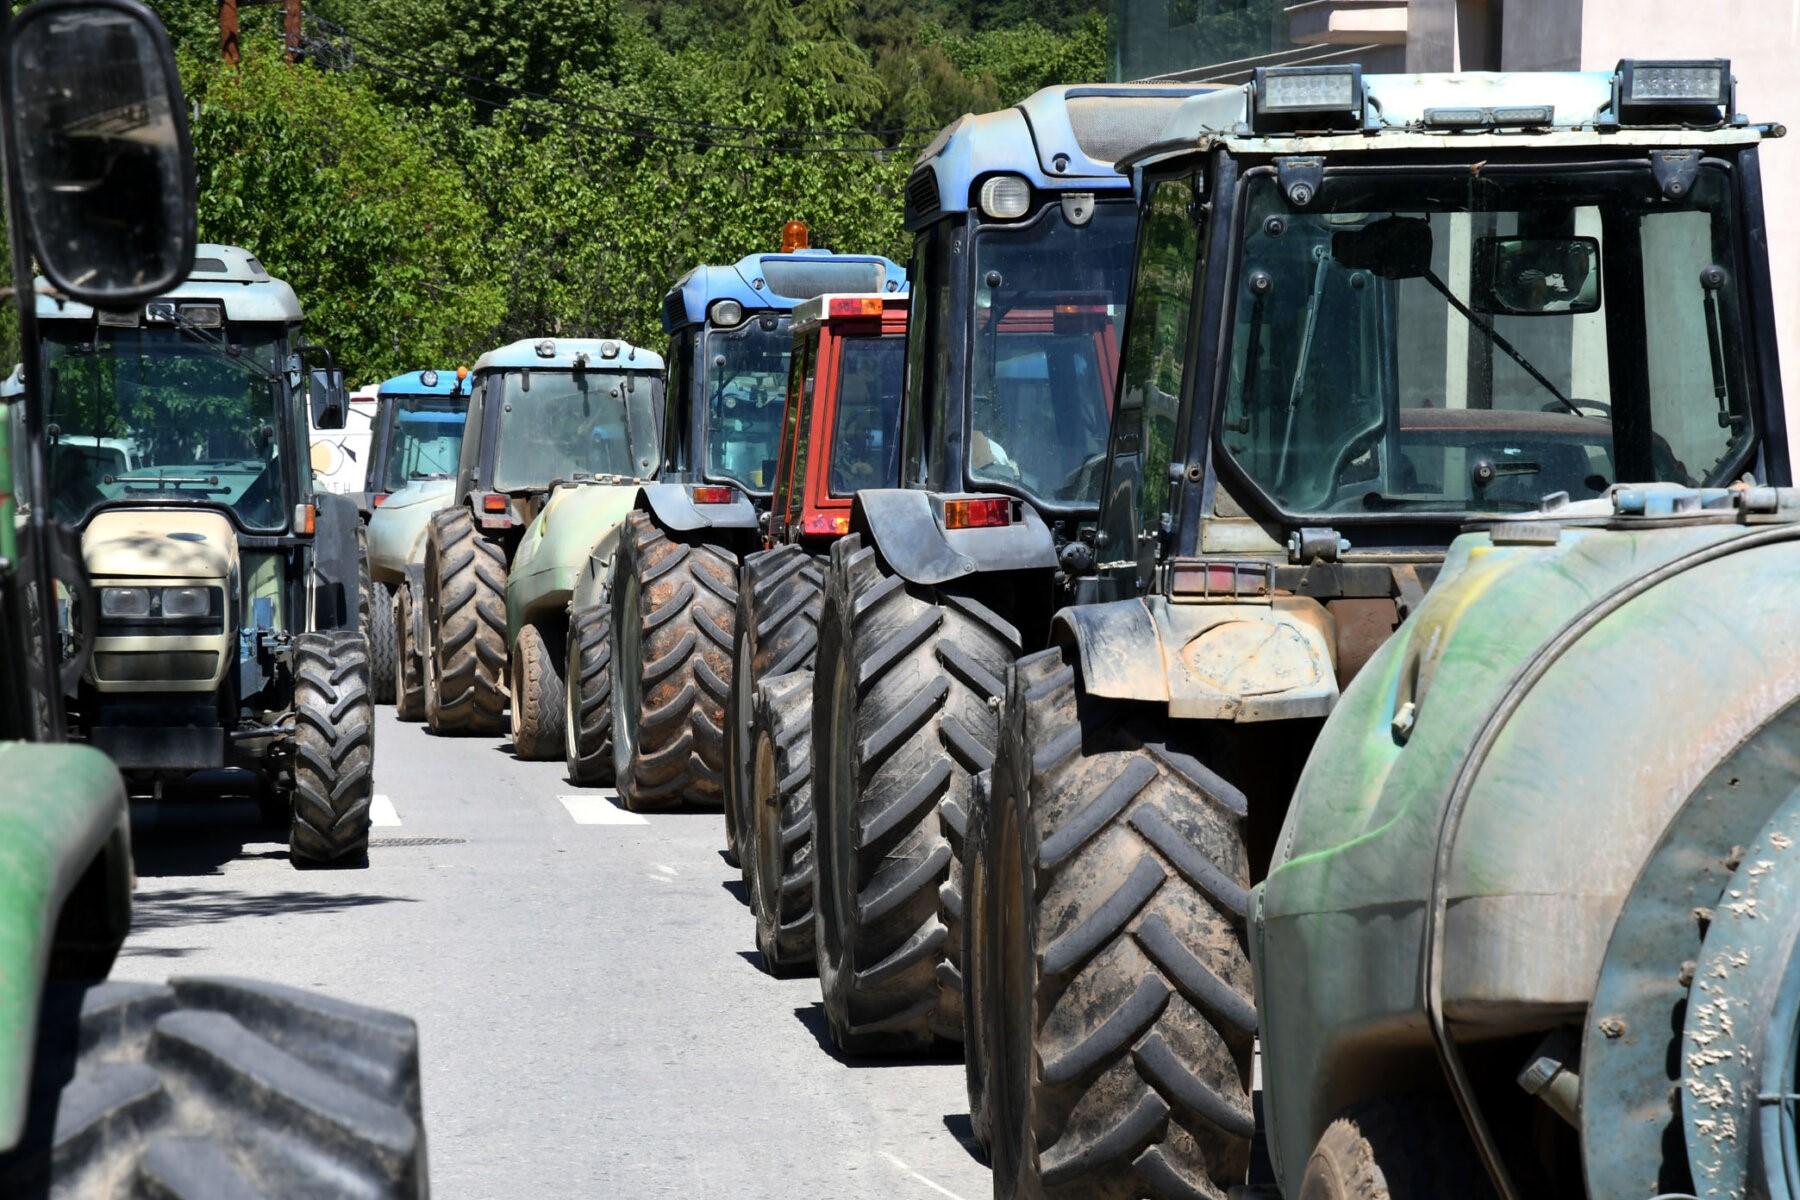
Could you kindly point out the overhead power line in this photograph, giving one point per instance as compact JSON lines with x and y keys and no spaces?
{"x":338,"y":30}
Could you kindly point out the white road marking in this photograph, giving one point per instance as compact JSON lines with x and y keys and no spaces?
{"x":936,"y":1187}
{"x":599,"y":810}
{"x":666,"y":869}
{"x":381,"y":811}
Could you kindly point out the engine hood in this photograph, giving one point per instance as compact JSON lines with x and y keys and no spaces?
{"x":152,"y":543}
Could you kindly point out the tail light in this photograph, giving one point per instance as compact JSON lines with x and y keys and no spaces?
{"x":977,"y":514}
{"x":377,"y":498}
{"x":856,"y":306}
{"x":826,"y":524}
{"x":493,"y":502}
{"x":713,"y":495}
{"x":1193,"y":579}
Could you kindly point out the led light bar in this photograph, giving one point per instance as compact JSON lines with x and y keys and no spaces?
{"x":1286,"y":99}
{"x":1523,"y":117}
{"x":1686,"y":86}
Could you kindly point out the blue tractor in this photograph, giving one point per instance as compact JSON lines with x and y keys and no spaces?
{"x":672,"y":598}
{"x":1023,"y":234}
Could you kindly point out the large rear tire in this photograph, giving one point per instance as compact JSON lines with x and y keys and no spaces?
{"x":674,"y":606}
{"x":383,"y":649}
{"x":971,"y":883}
{"x":465,"y":604}
{"x":334,"y":750}
{"x":779,"y":591}
{"x":780,"y":833}
{"x":1121,"y":1021}
{"x":539,"y":698}
{"x":219,"y":1087}
{"x":587,"y":721}
{"x":409,"y":660}
{"x":903,"y":719}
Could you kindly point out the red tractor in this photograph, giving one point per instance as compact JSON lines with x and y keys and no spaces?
{"x":840,"y":433}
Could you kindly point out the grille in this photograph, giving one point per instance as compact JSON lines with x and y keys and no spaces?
{"x":922,"y":193}
{"x":157,"y":666}
{"x":801,"y":279}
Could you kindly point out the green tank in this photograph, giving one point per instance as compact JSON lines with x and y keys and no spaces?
{"x":1538,"y":869}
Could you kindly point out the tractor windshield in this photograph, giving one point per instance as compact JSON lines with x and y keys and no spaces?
{"x":1049,"y":298}
{"x":164,"y":415}
{"x":746,"y":391}
{"x":564,"y":424}
{"x":427,"y":439}
{"x":865,"y":436}
{"x":1474,"y":341}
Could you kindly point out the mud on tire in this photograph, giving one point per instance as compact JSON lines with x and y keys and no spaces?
{"x":219,"y":1087}
{"x":588,"y":687}
{"x":334,"y":749}
{"x":383,"y":647}
{"x":1121,"y":1024}
{"x":538,"y":700}
{"x":779,"y":592}
{"x":780,"y":831}
{"x":465,"y":598}
{"x":674,"y":606}
{"x":409,"y":659}
{"x":902,"y":722}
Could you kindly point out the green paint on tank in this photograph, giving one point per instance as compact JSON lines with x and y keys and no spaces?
{"x":397,"y":526}
{"x":1561,"y":815}
{"x":58,"y":808}
{"x":578,"y":523}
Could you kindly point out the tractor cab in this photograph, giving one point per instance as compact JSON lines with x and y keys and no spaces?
{"x":418,"y":431}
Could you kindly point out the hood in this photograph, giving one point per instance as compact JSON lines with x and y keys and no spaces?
{"x":153,"y":543}
{"x":433,"y":492}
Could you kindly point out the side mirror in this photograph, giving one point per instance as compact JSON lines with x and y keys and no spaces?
{"x":99,"y":143}
{"x":1537,"y":277}
{"x":330,"y":404}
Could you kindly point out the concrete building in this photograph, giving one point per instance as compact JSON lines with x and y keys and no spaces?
{"x":1226,"y":39}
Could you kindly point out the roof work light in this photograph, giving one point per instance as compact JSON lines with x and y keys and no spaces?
{"x":1646,"y":92}
{"x":1287,"y":99}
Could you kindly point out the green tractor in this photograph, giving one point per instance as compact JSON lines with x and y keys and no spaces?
{"x":560,"y":433}
{"x":202,"y":1087}
{"x":1366,"y":314}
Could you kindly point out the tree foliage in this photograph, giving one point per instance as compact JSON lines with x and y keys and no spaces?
{"x":444,"y":175}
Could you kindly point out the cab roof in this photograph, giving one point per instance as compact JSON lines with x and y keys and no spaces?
{"x":228,"y":274}
{"x":1063,"y":138}
{"x":561,"y":354}
{"x":412,"y":383}
{"x":777,"y":281}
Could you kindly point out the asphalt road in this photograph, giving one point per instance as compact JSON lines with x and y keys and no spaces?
{"x":592,"y":1017}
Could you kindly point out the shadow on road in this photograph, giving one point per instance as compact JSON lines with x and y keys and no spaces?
{"x":174,"y":907}
{"x":964,"y":1132}
{"x":813,"y":1017}
{"x":736,"y":888}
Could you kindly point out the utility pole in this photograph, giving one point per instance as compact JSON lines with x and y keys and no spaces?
{"x":228,"y":30}
{"x":293,"y":31}
{"x":228,"y":27}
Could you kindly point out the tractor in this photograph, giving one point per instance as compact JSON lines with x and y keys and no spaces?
{"x":1021,"y":258}
{"x":203,"y":1086}
{"x":225,"y":614}
{"x":670,"y":598}
{"x":1367,"y":313}
{"x":412,"y":467}
{"x":840,"y":434}
{"x":552,"y":423}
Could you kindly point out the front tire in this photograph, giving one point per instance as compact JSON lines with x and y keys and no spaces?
{"x":1121,"y":1020}
{"x":465,"y":603}
{"x":902,"y":722}
{"x":409,"y":660}
{"x":334,"y":750}
{"x":674,"y":606}
{"x":588,"y":719}
{"x":780,"y":832}
{"x":219,"y":1087}
{"x":382,"y":644}
{"x":538,"y":694}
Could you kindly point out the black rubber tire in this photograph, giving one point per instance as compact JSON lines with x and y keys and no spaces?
{"x":587,"y":716}
{"x":409,"y":660}
{"x":674,"y":606}
{"x":780,"y":832}
{"x":971,"y":882}
{"x":1398,"y":1148}
{"x":779,"y":592}
{"x":209,"y":1088}
{"x":465,"y":603}
{"x":539,"y":698}
{"x":365,"y":581}
{"x":902,"y":722}
{"x":382,"y":645}
{"x":1121,"y":1021}
{"x":334,"y":750}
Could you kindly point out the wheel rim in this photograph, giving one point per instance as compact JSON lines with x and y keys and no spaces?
{"x":515,"y":670}
{"x":1780,"y":1096}
{"x":627,"y":667}
{"x":571,"y":697}
{"x":764,"y":831}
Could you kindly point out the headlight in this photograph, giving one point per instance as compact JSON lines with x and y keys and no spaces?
{"x":125,"y":602}
{"x":1006,"y":197}
{"x":727,"y":313}
{"x":186,"y":602}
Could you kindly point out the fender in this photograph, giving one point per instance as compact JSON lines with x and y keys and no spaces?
{"x":65,"y":863}
{"x":1212,"y":662}
{"x":593,"y":582}
{"x":335,"y":561}
{"x":672,"y":504}
{"x":906,"y":525}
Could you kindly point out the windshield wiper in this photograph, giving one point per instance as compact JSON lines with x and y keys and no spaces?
{"x":1715,"y":342}
{"x":223,"y":349}
{"x":1494,"y":336}
{"x":1302,"y":360}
